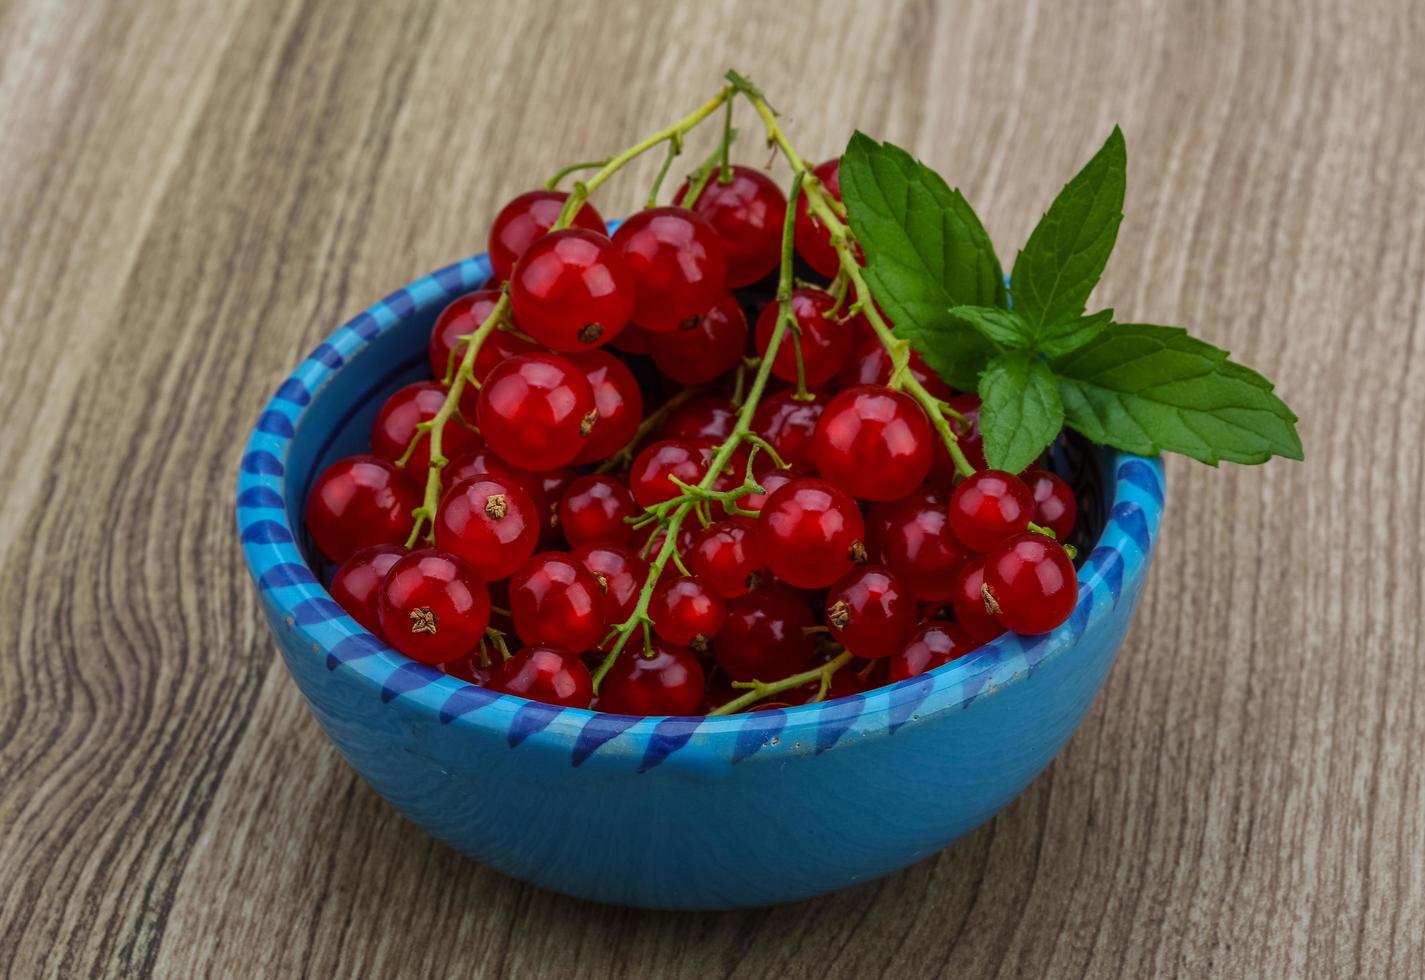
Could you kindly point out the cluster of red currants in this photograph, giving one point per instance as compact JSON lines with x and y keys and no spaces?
{"x":837,"y":537}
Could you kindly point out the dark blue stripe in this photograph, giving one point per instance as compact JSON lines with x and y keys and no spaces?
{"x":260,"y":497}
{"x":262,"y":462}
{"x":467,"y":698}
{"x":1143,"y":476}
{"x":1129,"y":516}
{"x":669,"y":735}
{"x":365,"y":326}
{"x":835,"y":718}
{"x":1107,"y":562}
{"x":530,"y":718}
{"x":353,"y":648}
{"x":316,"y":611}
{"x":600,"y":729}
{"x":906,"y":697}
{"x":288,"y":573}
{"x":325,"y":353}
{"x":266,"y":532}
{"x":408,"y":677}
{"x":401,"y":303}
{"x":294,"y":391}
{"x":757,"y":731}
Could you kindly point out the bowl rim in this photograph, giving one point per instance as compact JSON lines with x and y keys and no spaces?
{"x":1116,"y":564}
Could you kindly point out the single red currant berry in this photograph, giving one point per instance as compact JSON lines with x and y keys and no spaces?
{"x":824,"y":342}
{"x":812,"y":239}
{"x":356,"y":586}
{"x":572,"y":290}
{"x":932,"y":645}
{"x":770,"y":483}
{"x":706,"y":420}
{"x":920,"y":547}
{"x":1030,"y":584}
{"x":556,"y":600}
{"x":595,"y":509}
{"x":620,"y":574}
{"x":470,"y":669}
{"x":747,"y":212}
{"x":546,"y":674}
{"x":677,"y":262}
{"x":968,"y":436}
{"x":789,"y":425}
{"x":461,"y":318}
{"x":396,"y":422}
{"x":491,"y":523}
{"x":729,"y":555}
{"x":874,"y":443}
{"x":870,"y":612}
{"x":650,"y":476}
{"x":483,"y":462}
{"x":969,"y":602}
{"x":537,"y":410}
{"x":670,"y":682}
{"x":814,"y":533}
{"x":527,"y":218}
{"x":870,"y":364}
{"x":686,"y":612}
{"x":988,"y":507}
{"x":433,"y":607}
{"x":702,"y":348}
{"x":618,"y":399}
{"x":764,"y":636}
{"x":360,"y":501}
{"x":1055,"y":506}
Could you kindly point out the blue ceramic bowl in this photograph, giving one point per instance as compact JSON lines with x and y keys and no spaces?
{"x":694,"y":813}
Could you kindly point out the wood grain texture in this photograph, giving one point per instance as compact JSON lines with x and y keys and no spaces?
{"x":191,"y":194}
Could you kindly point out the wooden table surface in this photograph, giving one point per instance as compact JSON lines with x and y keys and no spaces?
{"x":192,"y":194}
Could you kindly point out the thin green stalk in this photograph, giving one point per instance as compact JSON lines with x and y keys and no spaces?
{"x":760,"y":691}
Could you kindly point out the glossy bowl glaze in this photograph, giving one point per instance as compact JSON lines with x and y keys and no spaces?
{"x":701,"y":813}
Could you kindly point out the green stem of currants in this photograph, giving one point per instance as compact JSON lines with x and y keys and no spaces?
{"x":760,"y":691}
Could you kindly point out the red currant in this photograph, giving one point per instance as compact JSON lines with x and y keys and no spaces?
{"x":433,"y":607}
{"x":491,"y":523}
{"x":547,"y":674}
{"x":618,"y":399}
{"x":396,"y":422}
{"x":764,"y":636}
{"x":771,"y":483}
{"x":702,"y":348}
{"x":814,"y":533}
{"x":356,"y":586}
{"x":462,"y":317}
{"x":594,"y":510}
{"x":988,"y":507}
{"x":649,"y":477}
{"x":1030,"y":585}
{"x":527,"y":218}
{"x":870,"y":612}
{"x":870,"y":364}
{"x":789,"y":425}
{"x":813,"y":241}
{"x":484,"y":462}
{"x":556,"y":600}
{"x":572,"y":290}
{"x":969,"y":602}
{"x":729,"y":555}
{"x":824,"y":342}
{"x":537,"y":410}
{"x":678,"y":265}
{"x":670,"y":682}
{"x":686,"y":612}
{"x":1055,"y":506}
{"x":360,"y":501}
{"x":919,"y":546}
{"x":747,"y":212}
{"x":932,"y":645}
{"x":620,"y":574}
{"x":874,"y":443}
{"x":706,"y":420}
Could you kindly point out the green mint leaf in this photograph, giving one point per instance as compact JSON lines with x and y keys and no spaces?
{"x":1064,"y":257}
{"x":1070,"y":335}
{"x":1002,"y":327}
{"x":926,"y":251}
{"x":1149,"y":389}
{"x":1020,"y":411}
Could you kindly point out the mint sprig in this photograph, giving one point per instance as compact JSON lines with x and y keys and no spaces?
{"x":1037,"y":360}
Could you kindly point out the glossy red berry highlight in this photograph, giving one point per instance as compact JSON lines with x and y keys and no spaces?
{"x":491,"y":523}
{"x":670,"y":682}
{"x":789,"y":425}
{"x":1055,"y":506}
{"x":814,"y":533}
{"x":433,"y":607}
{"x":686,"y":612}
{"x":931,"y":645}
{"x":537,"y":410}
{"x":870,"y":612}
{"x":620,"y":573}
{"x":919,"y":546}
{"x":595,"y":509}
{"x":705,"y":420}
{"x":358,"y":502}
{"x":547,"y":674}
{"x":870,"y":364}
{"x":824,"y":342}
{"x":764,"y":636}
{"x":527,"y":218}
{"x":677,"y":263}
{"x":356,"y":586}
{"x":463,"y":317}
{"x":747,"y":212}
{"x":396,"y":423}
{"x":704,"y":347}
{"x":572,"y":290}
{"x":1030,"y":585}
{"x":558,"y":601}
{"x":617,"y":398}
{"x":650,"y":477}
{"x":874,"y":443}
{"x":729,"y":555}
{"x":988,"y":507}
